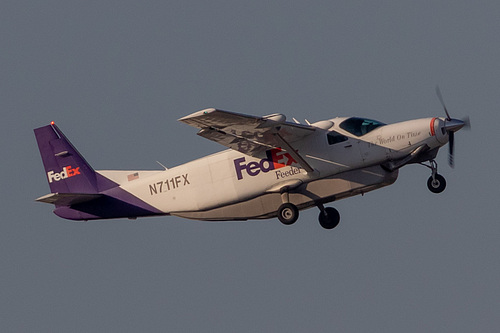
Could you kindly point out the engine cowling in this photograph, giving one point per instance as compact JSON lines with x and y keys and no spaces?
{"x":438,"y":130}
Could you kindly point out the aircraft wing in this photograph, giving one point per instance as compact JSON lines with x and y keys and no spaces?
{"x":248,"y":134}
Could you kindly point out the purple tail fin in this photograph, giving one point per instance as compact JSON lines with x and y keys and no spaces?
{"x":66,"y":169}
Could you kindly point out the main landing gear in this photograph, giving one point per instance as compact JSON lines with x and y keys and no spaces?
{"x":288,"y":213}
{"x":436,"y":183}
{"x":329,"y":217}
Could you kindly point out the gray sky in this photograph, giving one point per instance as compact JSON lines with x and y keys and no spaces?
{"x":116,"y":75}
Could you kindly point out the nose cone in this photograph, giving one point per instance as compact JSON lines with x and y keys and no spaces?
{"x":453,"y":125}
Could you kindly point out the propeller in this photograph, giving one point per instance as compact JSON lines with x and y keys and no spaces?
{"x":451,"y":145}
{"x":451,"y":126}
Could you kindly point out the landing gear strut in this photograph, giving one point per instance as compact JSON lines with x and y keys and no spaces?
{"x":288,"y":213}
{"x":436,"y":183}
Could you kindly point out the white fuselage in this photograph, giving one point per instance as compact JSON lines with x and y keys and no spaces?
{"x":230,"y":177}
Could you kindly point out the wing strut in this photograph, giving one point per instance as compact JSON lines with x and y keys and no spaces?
{"x":294,"y":153}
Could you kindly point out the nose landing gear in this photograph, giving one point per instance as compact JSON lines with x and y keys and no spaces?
{"x":436,"y":183}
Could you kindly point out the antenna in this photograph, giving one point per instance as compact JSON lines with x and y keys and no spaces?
{"x":162,"y":165}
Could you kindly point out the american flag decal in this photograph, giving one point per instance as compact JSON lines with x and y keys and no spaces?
{"x":133,"y":176}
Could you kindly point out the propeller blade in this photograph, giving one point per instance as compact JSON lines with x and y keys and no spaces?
{"x":451,"y":126}
{"x":438,"y":93}
{"x":451,"y":145}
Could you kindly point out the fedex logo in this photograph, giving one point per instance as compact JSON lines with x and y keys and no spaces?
{"x":276,"y":159}
{"x":66,"y":172}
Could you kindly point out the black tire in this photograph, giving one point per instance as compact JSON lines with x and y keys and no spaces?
{"x":436,"y":185}
{"x":329,"y":218}
{"x":288,"y":213}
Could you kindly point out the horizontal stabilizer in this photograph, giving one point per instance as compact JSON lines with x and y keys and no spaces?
{"x":68,"y":199}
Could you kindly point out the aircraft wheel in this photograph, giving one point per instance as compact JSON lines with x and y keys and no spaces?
{"x":436,"y":185}
{"x":329,"y":218}
{"x":288,"y":213}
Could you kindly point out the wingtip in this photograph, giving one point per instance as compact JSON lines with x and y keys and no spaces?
{"x":197,"y":114}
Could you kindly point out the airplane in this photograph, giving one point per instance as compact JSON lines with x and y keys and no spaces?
{"x":273,"y":168}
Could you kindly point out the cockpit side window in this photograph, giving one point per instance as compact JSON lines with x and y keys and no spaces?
{"x":334,"y":137}
{"x":360,"y":126}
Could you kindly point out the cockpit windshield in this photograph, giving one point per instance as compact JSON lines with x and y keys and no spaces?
{"x":359,"y":126}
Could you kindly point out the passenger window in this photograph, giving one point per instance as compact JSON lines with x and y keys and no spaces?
{"x":334,"y":137}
